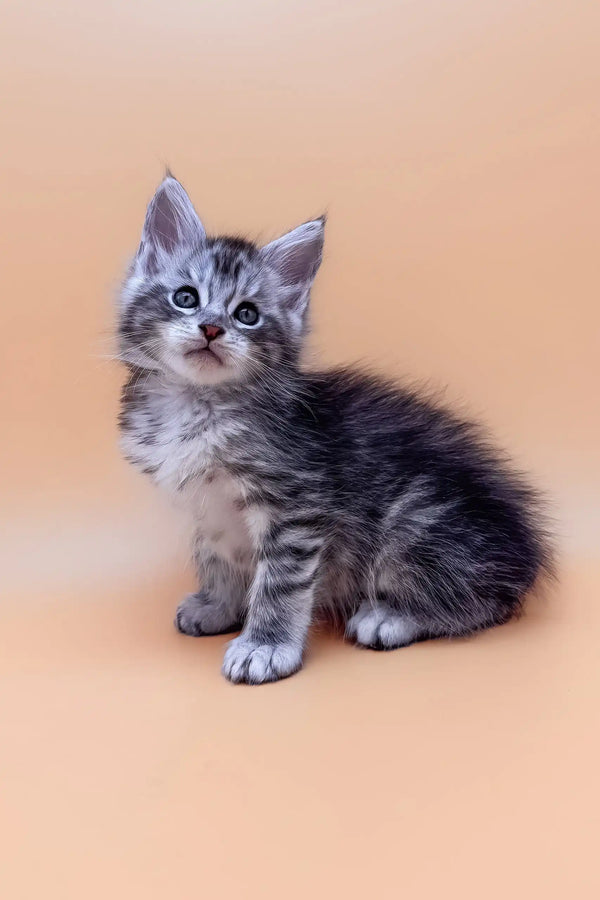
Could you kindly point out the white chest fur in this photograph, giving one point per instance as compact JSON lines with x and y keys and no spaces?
{"x":181,"y":443}
{"x":217,"y":503}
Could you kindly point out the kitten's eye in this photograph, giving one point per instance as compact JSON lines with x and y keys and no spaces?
{"x":186,"y":298}
{"x":246,"y":313}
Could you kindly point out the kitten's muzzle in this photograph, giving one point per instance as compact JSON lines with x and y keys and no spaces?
{"x":201,"y":349}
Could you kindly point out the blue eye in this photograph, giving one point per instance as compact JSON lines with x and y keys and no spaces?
{"x":186,"y":298}
{"x":246,"y":313}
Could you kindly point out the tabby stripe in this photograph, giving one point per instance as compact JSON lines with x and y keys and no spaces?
{"x":283,"y":588}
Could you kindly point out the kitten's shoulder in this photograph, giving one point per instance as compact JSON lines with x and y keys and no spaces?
{"x":354,"y":386}
{"x":352,"y":400}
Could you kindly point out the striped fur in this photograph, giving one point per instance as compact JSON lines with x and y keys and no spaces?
{"x":312,"y":492}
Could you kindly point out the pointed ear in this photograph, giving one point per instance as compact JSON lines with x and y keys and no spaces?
{"x":171,"y":226}
{"x":296,"y":258}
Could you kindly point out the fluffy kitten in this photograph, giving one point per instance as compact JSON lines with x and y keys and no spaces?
{"x":310,"y":491}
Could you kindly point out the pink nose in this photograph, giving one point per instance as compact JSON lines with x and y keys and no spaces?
{"x":211,"y":331}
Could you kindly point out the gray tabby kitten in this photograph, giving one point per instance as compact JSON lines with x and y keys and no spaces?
{"x":311,"y":492}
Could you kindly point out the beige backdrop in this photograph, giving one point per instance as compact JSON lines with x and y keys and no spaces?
{"x":455,"y":146}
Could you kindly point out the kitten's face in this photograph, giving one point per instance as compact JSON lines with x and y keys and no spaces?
{"x":209,"y":310}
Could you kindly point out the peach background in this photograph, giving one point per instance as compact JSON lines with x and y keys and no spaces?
{"x":455,"y":147}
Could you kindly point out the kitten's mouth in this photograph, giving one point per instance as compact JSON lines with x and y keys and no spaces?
{"x":203,"y":355}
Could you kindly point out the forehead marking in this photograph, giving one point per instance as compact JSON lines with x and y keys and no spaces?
{"x":204,"y":294}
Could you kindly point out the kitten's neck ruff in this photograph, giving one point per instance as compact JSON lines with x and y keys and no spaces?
{"x":264,"y":388}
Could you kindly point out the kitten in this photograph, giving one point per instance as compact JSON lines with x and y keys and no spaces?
{"x":310,"y":491}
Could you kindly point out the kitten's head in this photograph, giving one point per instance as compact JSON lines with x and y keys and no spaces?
{"x":209,"y":310}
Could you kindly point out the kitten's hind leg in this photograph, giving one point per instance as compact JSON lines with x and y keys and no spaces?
{"x":379,"y":626}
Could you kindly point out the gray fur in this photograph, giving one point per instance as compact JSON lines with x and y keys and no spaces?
{"x":312,"y":492}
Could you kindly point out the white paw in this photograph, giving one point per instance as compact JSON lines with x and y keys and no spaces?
{"x":253,"y":663}
{"x":380,"y":628}
{"x":198,"y":615}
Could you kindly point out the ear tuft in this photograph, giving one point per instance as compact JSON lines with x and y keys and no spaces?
{"x":171,"y":226}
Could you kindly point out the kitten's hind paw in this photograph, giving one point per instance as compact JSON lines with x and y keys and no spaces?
{"x":199,"y":615}
{"x":250,"y":662}
{"x":380,"y":628}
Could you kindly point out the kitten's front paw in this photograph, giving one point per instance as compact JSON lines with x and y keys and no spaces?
{"x":250,"y":662}
{"x":198,"y":615}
